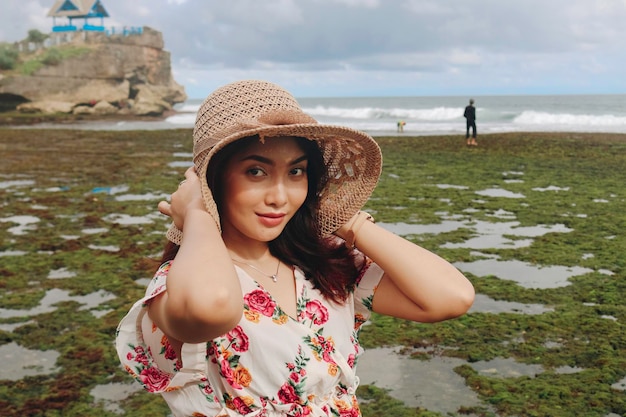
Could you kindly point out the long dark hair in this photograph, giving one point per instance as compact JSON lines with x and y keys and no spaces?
{"x":325,"y":261}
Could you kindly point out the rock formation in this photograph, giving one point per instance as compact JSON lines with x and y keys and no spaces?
{"x":123,"y":73}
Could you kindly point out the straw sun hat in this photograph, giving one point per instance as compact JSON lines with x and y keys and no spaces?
{"x":247,"y":108}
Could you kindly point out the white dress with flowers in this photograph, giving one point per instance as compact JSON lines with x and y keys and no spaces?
{"x":269,"y":365}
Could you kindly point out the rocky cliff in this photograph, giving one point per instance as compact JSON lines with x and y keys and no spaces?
{"x":124,"y":73}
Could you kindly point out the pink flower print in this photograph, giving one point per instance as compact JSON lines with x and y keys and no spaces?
{"x":227,"y":373}
{"x":316,"y":312}
{"x":241,"y":406}
{"x":306,"y":411}
{"x":170,"y":353}
{"x":351,"y":360}
{"x":238,"y":339}
{"x":260,"y":301}
{"x":154,"y":379}
{"x":140,"y":356}
{"x":207,"y":389}
{"x":287,"y":394}
{"x":328,"y":347}
{"x":353,"y":412}
{"x":295,"y":377}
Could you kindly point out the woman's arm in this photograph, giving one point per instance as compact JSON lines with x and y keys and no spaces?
{"x":203,"y":297}
{"x":417,"y":285}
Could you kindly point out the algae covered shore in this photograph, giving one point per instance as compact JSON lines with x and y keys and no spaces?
{"x":535,"y":220}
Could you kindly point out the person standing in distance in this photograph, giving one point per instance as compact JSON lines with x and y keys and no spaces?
{"x":470,"y":121}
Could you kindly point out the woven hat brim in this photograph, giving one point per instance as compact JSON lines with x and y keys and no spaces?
{"x":349,"y":192}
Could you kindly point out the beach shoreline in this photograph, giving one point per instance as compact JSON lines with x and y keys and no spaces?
{"x":121,"y":124}
{"x":17,"y":119}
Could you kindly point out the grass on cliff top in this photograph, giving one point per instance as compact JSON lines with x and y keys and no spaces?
{"x":30,"y":62}
{"x":63,"y":171}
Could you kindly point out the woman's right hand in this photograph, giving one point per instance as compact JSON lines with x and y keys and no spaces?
{"x":187,"y":197}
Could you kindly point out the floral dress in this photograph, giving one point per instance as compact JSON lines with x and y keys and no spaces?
{"x":269,"y":365}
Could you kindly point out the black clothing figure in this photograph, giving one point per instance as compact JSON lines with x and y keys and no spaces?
{"x":470,"y":121}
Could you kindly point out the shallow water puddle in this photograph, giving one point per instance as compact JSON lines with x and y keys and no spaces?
{"x":24,"y":224}
{"x":567,"y":370}
{"x":110,"y":394}
{"x":494,"y":235}
{"x":490,"y":235}
{"x":9,"y":327}
{"x":18,"y":362}
{"x":126,"y":219}
{"x":525,"y":274}
{"x":451,"y":186}
{"x":415,"y":382}
{"x":420,"y":383}
{"x":499,"y":192}
{"x":512,"y":173}
{"x":15,"y":183}
{"x":551,"y":188}
{"x":142,"y":197}
{"x":13,"y":253}
{"x":94,"y":230}
{"x":188,"y":155}
{"x":506,"y":368}
{"x":61,"y":273}
{"x":180,"y":164}
{"x":109,"y":248}
{"x":405,"y":229}
{"x":54,"y":296}
{"x":115,"y":189}
{"x":620,"y":385}
{"x":502,"y":214}
{"x":485,"y":304}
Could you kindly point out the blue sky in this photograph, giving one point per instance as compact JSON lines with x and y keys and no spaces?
{"x":322,"y":48}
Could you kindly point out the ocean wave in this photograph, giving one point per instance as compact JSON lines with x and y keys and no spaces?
{"x":363,"y":113}
{"x":431,"y":115}
{"x":543,"y":118}
{"x":186,"y":119}
{"x":187,"y":107}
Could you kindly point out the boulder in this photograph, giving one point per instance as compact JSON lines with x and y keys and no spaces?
{"x":104,"y":107}
{"x":46,"y":106}
{"x":83,"y":110}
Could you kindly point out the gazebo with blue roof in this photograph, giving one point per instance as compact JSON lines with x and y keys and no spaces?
{"x":78,"y":9}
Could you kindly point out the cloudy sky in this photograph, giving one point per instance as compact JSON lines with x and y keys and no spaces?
{"x":321,"y":48}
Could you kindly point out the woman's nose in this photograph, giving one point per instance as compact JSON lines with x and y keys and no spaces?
{"x":277,"y":194}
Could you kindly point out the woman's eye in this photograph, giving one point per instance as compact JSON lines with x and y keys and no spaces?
{"x":298,"y":171}
{"x":256,"y":172}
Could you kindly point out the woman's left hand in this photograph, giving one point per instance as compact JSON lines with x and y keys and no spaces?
{"x":187,"y":197}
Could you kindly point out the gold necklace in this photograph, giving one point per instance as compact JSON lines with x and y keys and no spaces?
{"x":273,"y":277}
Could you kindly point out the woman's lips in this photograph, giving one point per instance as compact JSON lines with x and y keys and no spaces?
{"x":271,"y":219}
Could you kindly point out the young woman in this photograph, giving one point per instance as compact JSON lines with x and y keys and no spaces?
{"x":272,"y":268}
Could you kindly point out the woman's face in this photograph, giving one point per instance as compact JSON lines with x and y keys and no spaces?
{"x":264,"y":186}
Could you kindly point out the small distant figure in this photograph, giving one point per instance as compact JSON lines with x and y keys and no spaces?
{"x":401,"y":124}
{"x":470,"y":121}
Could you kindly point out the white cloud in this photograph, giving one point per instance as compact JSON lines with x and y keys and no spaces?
{"x":360,"y":3}
{"x":372,"y":46}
